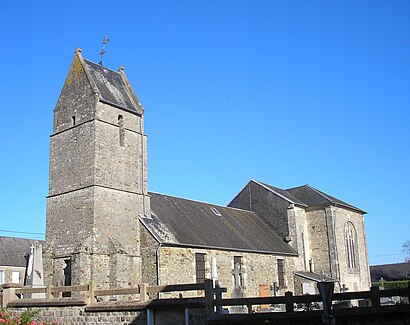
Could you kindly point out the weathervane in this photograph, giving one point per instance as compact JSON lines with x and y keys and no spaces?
{"x":105,"y":41}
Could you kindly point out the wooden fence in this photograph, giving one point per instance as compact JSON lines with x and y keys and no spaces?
{"x":212,"y":300}
{"x":88,"y":294}
{"x":370,"y":299}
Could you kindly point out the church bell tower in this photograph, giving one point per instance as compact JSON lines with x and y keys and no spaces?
{"x":97,"y":180}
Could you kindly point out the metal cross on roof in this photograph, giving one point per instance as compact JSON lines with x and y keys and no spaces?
{"x":105,"y":41}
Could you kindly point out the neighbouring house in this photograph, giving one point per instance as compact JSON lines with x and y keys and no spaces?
{"x":390,"y":272}
{"x":14,"y":254}
{"x":103,"y":224}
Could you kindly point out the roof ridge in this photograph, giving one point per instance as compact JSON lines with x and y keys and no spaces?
{"x":87,"y":72}
{"x":268,"y":187}
{"x":322,"y":194}
{"x":102,"y":66}
{"x":201,"y":202}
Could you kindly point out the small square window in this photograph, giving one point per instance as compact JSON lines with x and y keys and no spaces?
{"x":15,"y":277}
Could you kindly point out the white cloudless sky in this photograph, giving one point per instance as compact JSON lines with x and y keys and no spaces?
{"x":285,"y":92}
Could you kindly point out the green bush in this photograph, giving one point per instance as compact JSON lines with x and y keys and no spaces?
{"x":402,"y":284}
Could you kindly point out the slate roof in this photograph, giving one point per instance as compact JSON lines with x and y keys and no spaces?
{"x":12,"y":250}
{"x":285,"y":194}
{"x":183,"y":222}
{"x":390,"y":272}
{"x":313,"y":197}
{"x":112,"y":86}
{"x":313,"y":276}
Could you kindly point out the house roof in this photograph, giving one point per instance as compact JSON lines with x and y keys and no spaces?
{"x":283,"y":193}
{"x":112,"y":87}
{"x":13,"y":250}
{"x":390,"y":272}
{"x":314,"y":276}
{"x":313,"y":197}
{"x":183,"y":222}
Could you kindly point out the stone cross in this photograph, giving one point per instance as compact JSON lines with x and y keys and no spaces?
{"x":238,"y":290}
{"x":35,"y":273}
{"x":237,"y":275}
{"x":344,"y":288}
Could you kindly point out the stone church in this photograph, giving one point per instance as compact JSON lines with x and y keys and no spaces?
{"x":104,"y":225}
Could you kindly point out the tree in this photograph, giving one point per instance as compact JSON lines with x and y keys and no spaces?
{"x":406,"y":249}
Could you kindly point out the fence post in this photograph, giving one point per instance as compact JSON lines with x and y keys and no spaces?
{"x":289,"y":301}
{"x":143,"y":292}
{"x":375,"y":296}
{"x":91,"y":292}
{"x":9,"y":294}
{"x":49,"y":295}
{"x":209,"y":297}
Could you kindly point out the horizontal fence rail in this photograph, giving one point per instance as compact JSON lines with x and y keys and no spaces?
{"x":213,"y":301}
{"x":16,"y":296}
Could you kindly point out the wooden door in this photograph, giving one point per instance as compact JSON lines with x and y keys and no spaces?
{"x":264,"y":292}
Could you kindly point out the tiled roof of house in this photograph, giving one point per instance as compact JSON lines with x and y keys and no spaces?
{"x":13,"y":250}
{"x":178,"y":221}
{"x":390,"y":272}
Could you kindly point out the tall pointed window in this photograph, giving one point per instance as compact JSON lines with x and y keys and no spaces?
{"x":121,"y":129}
{"x":351,"y":246}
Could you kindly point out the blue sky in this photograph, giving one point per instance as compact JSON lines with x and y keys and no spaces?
{"x":285,"y":92}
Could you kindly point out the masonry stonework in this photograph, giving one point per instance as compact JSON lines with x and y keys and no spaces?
{"x":177,"y":266}
{"x":98,"y":180}
{"x":357,"y":279}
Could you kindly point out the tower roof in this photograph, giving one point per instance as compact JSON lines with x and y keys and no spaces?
{"x":112,"y":87}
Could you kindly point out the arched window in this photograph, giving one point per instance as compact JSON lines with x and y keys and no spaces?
{"x":351,"y":246}
{"x":121,"y":129}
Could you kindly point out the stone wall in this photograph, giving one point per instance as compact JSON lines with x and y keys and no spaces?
{"x":318,"y":243}
{"x":98,"y":187}
{"x":149,"y":247}
{"x":299,"y":235}
{"x":76,"y":99}
{"x":71,"y":315}
{"x":327,"y":233}
{"x":357,"y":279}
{"x":268,"y":206}
{"x":177,"y":266}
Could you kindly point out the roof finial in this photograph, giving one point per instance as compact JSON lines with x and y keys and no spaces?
{"x":105,"y":41}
